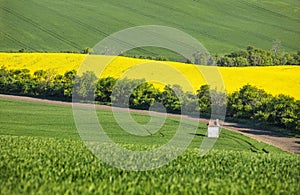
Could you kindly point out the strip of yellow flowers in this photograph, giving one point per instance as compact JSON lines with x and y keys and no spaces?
{"x":273,"y":79}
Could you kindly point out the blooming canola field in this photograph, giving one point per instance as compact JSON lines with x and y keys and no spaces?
{"x":273,"y":79}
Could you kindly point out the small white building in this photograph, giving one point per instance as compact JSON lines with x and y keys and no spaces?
{"x":213,"y":129}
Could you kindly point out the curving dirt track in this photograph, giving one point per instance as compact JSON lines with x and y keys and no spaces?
{"x":273,"y":138}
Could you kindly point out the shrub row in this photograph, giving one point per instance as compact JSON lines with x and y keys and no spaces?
{"x":251,"y":56}
{"x":248,"y":103}
{"x":257,"y":57}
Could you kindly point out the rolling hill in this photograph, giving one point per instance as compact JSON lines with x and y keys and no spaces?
{"x":222,"y":26}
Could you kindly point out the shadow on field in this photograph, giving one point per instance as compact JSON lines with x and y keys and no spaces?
{"x":197,"y":134}
{"x":258,"y":130}
{"x":263,"y":132}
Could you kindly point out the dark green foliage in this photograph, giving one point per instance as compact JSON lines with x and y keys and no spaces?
{"x":104,"y":89}
{"x":68,"y":82}
{"x":190,"y":105}
{"x":248,"y":103}
{"x":283,"y":111}
{"x":40,"y":84}
{"x":255,"y":104}
{"x":85,"y":85}
{"x":257,"y":57}
{"x":297,"y":124}
{"x":87,"y":50}
{"x":144,"y":96}
{"x":121,"y":94}
{"x":250,"y":57}
{"x":204,"y":99}
{"x":172,"y":98}
{"x":44,"y":81}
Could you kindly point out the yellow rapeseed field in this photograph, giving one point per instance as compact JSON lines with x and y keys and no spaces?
{"x":273,"y":79}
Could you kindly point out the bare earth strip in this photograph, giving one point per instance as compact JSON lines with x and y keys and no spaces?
{"x":273,"y":138}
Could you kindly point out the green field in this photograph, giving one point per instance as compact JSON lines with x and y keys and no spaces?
{"x":40,"y":149}
{"x":222,"y":26}
{"x":41,"y":153}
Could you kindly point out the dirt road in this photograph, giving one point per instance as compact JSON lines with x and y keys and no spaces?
{"x":273,"y":138}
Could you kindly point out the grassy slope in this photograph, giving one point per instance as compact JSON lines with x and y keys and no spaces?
{"x":45,"y":156}
{"x":222,"y":26}
{"x":34,"y":119}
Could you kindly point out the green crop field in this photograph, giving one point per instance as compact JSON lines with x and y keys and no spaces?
{"x":222,"y":26}
{"x":41,"y":153}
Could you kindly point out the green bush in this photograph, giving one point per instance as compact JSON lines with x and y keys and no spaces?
{"x":248,"y":103}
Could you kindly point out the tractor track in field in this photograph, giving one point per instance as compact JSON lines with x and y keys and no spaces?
{"x":40,"y":27}
{"x":289,"y":144}
{"x":94,"y":28}
{"x":23,"y":45}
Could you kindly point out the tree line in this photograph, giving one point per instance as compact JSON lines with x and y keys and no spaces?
{"x":251,"y":56}
{"x":248,"y":103}
{"x":258,"y":57}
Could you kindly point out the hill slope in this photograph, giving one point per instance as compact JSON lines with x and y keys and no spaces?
{"x":41,"y":153}
{"x":222,"y":26}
